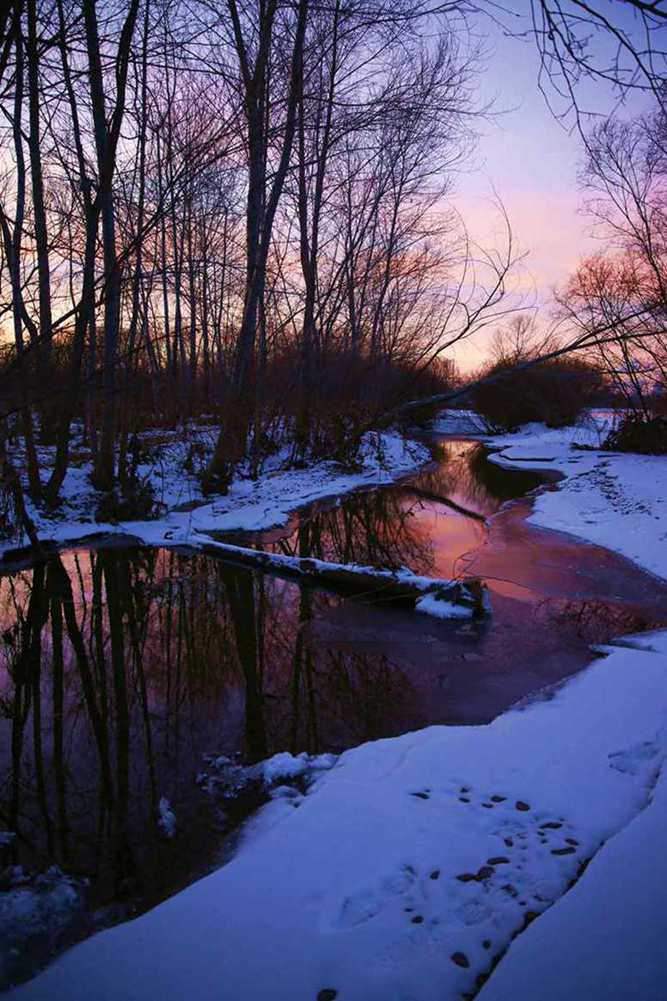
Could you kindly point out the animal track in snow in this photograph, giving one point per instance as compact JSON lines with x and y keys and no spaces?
{"x":495,"y":860}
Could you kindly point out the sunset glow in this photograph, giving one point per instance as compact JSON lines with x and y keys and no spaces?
{"x":333,"y":500}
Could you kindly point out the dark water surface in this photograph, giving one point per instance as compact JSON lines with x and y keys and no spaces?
{"x":121,"y":668}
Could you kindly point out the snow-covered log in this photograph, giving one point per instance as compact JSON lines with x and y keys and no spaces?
{"x":443,"y":598}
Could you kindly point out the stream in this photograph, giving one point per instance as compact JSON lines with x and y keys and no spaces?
{"x":124,"y":668}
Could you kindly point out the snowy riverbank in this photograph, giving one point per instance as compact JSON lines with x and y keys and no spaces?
{"x":171,"y":465}
{"x":615,"y":500}
{"x":407,"y":869}
{"x":516,"y":860}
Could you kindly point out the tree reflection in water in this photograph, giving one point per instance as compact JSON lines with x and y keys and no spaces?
{"x":120,"y":668}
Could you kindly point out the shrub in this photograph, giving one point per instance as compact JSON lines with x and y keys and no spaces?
{"x":554,"y":393}
{"x":637,"y":433}
{"x":133,"y":499}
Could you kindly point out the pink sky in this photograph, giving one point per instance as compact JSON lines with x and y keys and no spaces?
{"x":532,"y":162}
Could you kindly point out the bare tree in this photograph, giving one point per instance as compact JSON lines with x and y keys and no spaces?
{"x":626,"y":181}
{"x":256,"y":53}
{"x":107,"y":134}
{"x":622,"y":45}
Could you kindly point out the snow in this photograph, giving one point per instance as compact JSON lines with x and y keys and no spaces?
{"x":443,"y":598}
{"x":229,"y":777}
{"x":38,"y":913}
{"x":431,"y":604}
{"x":614,"y":500}
{"x":407,"y":869}
{"x":606,"y":937}
{"x":529,"y":851}
{"x":283,"y":775}
{"x":250,"y":504}
{"x":166,"y":818}
{"x":290,"y":766}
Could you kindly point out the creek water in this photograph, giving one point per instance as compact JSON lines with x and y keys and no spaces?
{"x":122,"y":667}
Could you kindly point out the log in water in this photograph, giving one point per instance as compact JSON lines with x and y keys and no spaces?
{"x":372,"y":583}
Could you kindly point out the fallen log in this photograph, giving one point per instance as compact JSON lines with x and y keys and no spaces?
{"x":434,"y":596}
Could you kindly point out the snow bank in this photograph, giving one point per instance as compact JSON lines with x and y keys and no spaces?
{"x":250,"y":505}
{"x":409,"y":866}
{"x":614,"y":500}
{"x":606,"y":937}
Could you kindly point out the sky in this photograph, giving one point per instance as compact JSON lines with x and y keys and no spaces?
{"x":532,"y":161}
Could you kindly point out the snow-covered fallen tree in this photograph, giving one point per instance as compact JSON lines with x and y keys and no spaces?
{"x":434,"y":596}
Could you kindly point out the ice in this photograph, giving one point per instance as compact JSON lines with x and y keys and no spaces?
{"x":614,"y":500}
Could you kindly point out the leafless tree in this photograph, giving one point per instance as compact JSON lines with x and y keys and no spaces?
{"x":626,"y":181}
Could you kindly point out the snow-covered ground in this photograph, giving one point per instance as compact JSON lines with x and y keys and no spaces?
{"x":406,"y":870}
{"x":412,"y":866}
{"x":615,"y":500}
{"x":606,"y":938}
{"x":171,"y":465}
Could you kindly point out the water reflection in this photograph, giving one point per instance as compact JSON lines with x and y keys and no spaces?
{"x":462,"y":473}
{"x":121,"y":668}
{"x":426,"y":523}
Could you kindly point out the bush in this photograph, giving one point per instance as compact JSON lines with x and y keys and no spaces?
{"x":554,"y":393}
{"x":133,"y":499}
{"x":637,"y":433}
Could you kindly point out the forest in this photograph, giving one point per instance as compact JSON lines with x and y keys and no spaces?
{"x":333,"y":500}
{"x":242,"y":217}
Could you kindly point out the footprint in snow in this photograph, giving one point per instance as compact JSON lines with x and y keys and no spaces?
{"x":631,"y":760}
{"x":363,"y":905}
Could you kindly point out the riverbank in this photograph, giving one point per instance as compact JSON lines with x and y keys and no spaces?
{"x":171,"y":463}
{"x":410,"y":867}
{"x":615,"y":500}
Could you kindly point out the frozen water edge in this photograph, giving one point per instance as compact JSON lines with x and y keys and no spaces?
{"x":250,"y":505}
{"x":40,"y":914}
{"x":409,"y":866}
{"x":614,"y":500}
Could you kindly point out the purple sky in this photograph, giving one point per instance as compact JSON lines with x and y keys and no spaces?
{"x":532,"y":162}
